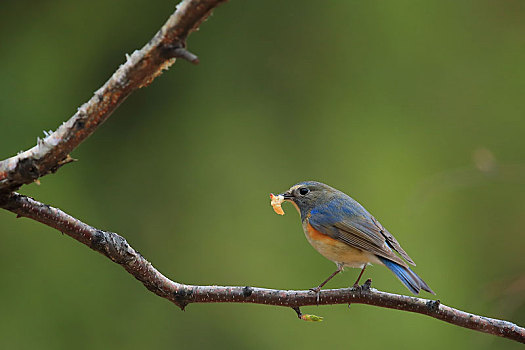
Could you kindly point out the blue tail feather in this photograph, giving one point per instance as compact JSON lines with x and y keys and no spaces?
{"x":408,"y":277}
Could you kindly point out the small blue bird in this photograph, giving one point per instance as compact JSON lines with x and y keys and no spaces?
{"x":343,"y":231}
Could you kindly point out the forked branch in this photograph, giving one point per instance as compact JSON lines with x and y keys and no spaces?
{"x":139,"y":70}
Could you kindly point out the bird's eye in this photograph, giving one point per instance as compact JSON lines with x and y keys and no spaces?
{"x":303,"y":191}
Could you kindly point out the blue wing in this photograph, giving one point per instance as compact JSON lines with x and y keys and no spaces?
{"x":346,"y":220}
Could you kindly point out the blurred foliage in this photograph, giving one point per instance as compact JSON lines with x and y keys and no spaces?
{"x":415,"y":109}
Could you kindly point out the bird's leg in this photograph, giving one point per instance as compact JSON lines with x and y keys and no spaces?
{"x":356,"y":284}
{"x":317,"y":289}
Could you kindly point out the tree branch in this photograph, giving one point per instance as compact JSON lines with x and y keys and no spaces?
{"x":117,"y":249}
{"x":140,"y":69}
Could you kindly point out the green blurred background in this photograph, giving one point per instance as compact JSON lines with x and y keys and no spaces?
{"x":416,"y":109}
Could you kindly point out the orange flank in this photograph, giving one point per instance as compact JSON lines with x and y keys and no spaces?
{"x":336,"y":250}
{"x":315,"y":235}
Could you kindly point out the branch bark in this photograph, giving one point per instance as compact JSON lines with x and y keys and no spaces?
{"x":117,"y":249}
{"x":140,"y":69}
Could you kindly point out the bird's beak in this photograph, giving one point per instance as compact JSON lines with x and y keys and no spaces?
{"x":287,"y":196}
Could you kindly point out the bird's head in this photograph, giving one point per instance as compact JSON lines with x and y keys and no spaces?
{"x":307,"y":195}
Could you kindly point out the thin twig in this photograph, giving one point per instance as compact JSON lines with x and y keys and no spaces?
{"x":140,"y":69}
{"x":118,"y":250}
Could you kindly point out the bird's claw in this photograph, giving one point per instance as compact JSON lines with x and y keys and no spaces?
{"x":317,"y":291}
{"x":364,"y":288}
{"x":361,"y":288}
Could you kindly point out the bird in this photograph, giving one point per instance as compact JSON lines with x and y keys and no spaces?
{"x":343,"y":231}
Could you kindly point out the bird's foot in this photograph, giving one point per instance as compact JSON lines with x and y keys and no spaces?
{"x":317,"y":291}
{"x":362,"y":289}
{"x":366,"y":286}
